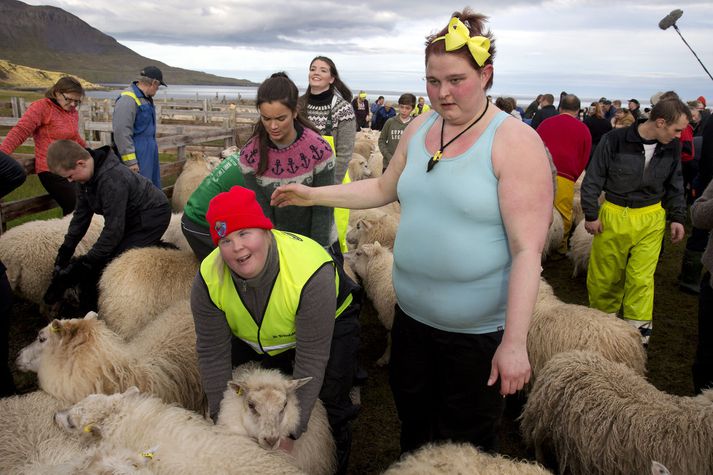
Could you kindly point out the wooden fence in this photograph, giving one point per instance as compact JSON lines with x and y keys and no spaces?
{"x":95,"y":126}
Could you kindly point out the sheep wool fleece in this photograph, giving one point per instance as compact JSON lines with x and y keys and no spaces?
{"x":623,"y":260}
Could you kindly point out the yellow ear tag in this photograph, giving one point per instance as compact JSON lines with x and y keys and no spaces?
{"x":87,"y":428}
{"x":53,"y":329}
{"x":239,"y":391}
{"x":148,"y":454}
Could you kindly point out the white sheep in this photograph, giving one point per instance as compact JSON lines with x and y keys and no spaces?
{"x":102,"y":459}
{"x":363,"y":147}
{"x":141,"y":283}
{"x":555,"y":234}
{"x":174,"y":235}
{"x":358,"y":168}
{"x":197,"y":167}
{"x":451,"y":458}
{"x":580,"y":246}
{"x":557,"y":327}
{"x":77,"y":357}
{"x":28,"y":435}
{"x":373,"y":264}
{"x":29,"y":251}
{"x":262,"y":404}
{"x":377,"y":227}
{"x":577,"y":212}
{"x":601,"y":417}
{"x":392,"y":209}
{"x":187,"y":443}
{"x":376,"y":163}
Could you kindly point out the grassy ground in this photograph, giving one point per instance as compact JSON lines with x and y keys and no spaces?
{"x":376,"y":436}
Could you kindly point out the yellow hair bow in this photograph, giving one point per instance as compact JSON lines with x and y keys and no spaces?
{"x":459,"y":35}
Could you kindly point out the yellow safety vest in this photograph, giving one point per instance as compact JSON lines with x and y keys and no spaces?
{"x":300,"y":257}
{"x":341,"y":215}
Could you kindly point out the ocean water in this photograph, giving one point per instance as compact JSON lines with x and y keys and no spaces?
{"x":232,"y":93}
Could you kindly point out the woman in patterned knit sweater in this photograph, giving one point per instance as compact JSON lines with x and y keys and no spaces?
{"x":52,"y":118}
{"x":286,"y":148}
{"x":331,"y":113}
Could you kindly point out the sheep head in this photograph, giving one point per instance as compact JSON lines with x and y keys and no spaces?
{"x":87,"y":417}
{"x":362,"y":256}
{"x":53,"y":335}
{"x":268,"y":402}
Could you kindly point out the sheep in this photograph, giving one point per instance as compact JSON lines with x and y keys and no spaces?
{"x":187,"y":443}
{"x":577,"y":212}
{"x":29,"y":251}
{"x":580,"y":246}
{"x":358,"y":168}
{"x":141,"y":283}
{"x":378,"y":227}
{"x":363,"y":148}
{"x":373,"y":264}
{"x":28,"y":436}
{"x":376,"y":163}
{"x":77,"y":357}
{"x":392,"y":209}
{"x":602,"y":417}
{"x":103,"y":459}
{"x":196,"y":168}
{"x":557,"y":326}
{"x":174,"y":235}
{"x":262,"y":404}
{"x":555,"y":234}
{"x":451,"y":458}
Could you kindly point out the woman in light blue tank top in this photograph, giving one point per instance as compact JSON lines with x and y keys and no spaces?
{"x":476,"y":201}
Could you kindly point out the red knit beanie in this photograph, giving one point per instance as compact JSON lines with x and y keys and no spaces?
{"x":233,"y":210}
{"x":702,"y":100}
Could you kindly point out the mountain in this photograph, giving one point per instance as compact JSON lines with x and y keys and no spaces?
{"x":24,"y":77}
{"x":52,"y":39}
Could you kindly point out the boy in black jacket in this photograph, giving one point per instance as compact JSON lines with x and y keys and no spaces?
{"x":136,"y":214}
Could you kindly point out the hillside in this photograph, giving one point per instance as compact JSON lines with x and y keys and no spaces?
{"x":52,"y":39}
{"x":23,"y":77}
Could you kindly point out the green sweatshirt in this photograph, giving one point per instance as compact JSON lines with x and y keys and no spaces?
{"x":390,"y":136}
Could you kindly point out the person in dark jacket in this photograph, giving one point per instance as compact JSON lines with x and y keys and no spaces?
{"x":382,"y":115}
{"x":547,"y":110}
{"x":12,"y":175}
{"x":136,"y":214}
{"x":639,"y":169}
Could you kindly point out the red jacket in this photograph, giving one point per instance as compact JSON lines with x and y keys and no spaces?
{"x":569,"y":141}
{"x":46,"y":122}
{"x":687,"y":152}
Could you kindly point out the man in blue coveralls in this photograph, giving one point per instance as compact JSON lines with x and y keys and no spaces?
{"x":134,"y":125}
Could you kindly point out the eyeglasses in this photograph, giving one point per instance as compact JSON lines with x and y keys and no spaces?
{"x":70,"y":100}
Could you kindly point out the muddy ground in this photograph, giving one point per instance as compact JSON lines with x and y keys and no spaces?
{"x":375,"y":446}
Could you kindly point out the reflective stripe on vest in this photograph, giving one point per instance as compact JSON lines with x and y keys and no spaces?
{"x":300,"y":258}
{"x":133,"y":96}
{"x":341,"y":215}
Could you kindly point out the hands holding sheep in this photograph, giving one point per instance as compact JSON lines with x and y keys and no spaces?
{"x":292,"y":195}
{"x":593,"y":227}
{"x":510,"y":363}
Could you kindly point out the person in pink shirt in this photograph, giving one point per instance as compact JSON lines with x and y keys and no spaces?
{"x":51,"y":118}
{"x":569,"y":142}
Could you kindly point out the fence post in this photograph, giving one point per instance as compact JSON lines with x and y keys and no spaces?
{"x":181,"y":153}
{"x":15,"y":104}
{"x":205,"y":111}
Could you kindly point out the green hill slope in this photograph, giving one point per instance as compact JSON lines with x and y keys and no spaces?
{"x":52,"y":39}
{"x":23,"y":77}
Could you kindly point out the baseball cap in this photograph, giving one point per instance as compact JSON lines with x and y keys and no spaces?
{"x":152,"y":72}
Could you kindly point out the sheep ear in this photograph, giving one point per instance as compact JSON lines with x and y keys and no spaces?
{"x":236,"y":387}
{"x":55,"y":326}
{"x":91,"y":316}
{"x":132,"y":391}
{"x":377,"y":244}
{"x":92,"y":429}
{"x":298,"y":383}
{"x":367,"y":224}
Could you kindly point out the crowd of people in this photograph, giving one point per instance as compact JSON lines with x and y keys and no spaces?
{"x":473,"y":177}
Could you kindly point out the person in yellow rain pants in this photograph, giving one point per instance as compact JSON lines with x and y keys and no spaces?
{"x":639,"y":169}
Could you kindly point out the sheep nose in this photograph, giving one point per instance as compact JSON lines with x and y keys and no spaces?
{"x":271,"y":441}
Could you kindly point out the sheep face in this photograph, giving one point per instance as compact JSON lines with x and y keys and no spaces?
{"x":362,"y":256}
{"x":270,"y":410}
{"x":50,"y":337}
{"x":359,"y":168}
{"x":86,"y":417}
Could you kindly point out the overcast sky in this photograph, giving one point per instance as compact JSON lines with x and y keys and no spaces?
{"x":589,"y":47}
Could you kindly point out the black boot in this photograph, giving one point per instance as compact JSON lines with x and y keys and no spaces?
{"x":689,"y":280}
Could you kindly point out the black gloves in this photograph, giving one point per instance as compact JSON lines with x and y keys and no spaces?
{"x":64,"y":278}
{"x":64,"y":255}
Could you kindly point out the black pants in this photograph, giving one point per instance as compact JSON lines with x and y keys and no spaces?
{"x":61,"y":190}
{"x":198,"y":237}
{"x":439,"y":379}
{"x":338,"y":377}
{"x":703,"y":363}
{"x":7,"y":386}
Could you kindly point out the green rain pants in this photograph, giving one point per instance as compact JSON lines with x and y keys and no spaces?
{"x":624,"y":258}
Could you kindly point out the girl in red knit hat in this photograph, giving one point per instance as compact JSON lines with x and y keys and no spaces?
{"x":279,"y":298}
